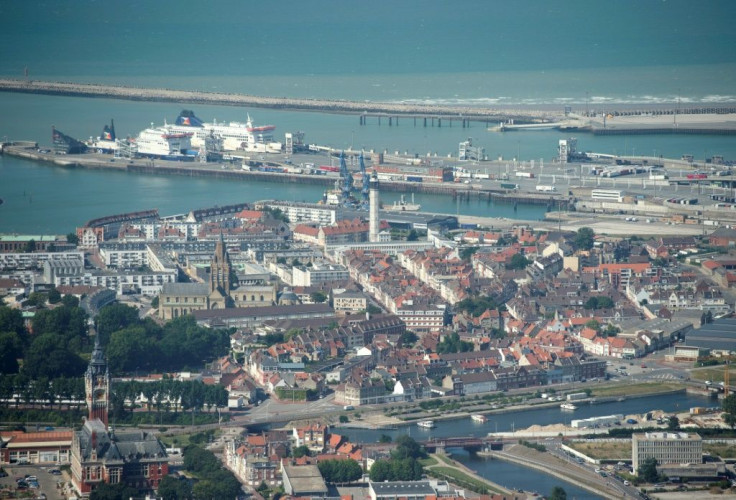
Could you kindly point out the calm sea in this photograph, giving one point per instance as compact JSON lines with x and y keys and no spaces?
{"x":526,"y":53}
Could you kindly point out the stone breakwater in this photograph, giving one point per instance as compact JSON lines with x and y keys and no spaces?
{"x":335,"y":106}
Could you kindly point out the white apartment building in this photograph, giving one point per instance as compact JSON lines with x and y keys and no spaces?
{"x":318,"y":273}
{"x":667,"y":448}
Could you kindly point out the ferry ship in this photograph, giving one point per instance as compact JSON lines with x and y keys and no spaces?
{"x":426,"y":424}
{"x":403,"y":206}
{"x":568,"y":406}
{"x":236,"y":136}
{"x":481,"y":419}
{"x":165,"y":143}
{"x":106,"y":143}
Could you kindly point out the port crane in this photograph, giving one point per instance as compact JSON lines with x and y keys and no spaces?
{"x":365,"y":192}
{"x":347,"y":179}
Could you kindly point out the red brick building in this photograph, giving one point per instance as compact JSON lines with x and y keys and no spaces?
{"x":99,"y":455}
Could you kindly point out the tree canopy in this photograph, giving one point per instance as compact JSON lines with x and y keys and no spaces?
{"x":475,"y":306}
{"x":452,"y":343}
{"x":558,"y":493}
{"x":584,"y":238}
{"x":340,"y":471}
{"x":518,"y":261}
{"x":648,"y":470}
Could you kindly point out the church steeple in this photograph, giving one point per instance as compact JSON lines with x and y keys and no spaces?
{"x":220,"y":269}
{"x":97,"y":385}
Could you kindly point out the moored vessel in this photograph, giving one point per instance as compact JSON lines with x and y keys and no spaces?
{"x":481,"y":419}
{"x":403,"y":206}
{"x":568,"y":406}
{"x":426,"y":424}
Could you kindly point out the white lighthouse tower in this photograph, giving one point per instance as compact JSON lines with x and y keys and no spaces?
{"x":374,"y":202}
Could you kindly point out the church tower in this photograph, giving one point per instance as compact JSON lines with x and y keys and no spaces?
{"x":97,"y":385}
{"x":220,"y":269}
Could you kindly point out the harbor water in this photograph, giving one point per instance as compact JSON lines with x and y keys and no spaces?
{"x":521,"y":419}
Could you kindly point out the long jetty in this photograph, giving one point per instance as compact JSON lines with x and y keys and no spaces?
{"x":336,"y":106}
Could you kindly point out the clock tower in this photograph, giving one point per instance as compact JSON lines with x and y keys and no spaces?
{"x":97,"y":385}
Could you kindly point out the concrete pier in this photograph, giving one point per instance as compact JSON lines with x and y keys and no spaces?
{"x":363,"y":108}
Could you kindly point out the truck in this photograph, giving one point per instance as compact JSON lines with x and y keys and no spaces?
{"x":413,"y":178}
{"x":528,"y":175}
{"x":507,"y":185}
{"x":545,"y":189}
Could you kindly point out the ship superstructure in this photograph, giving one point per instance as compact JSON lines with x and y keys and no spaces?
{"x":236,"y":136}
{"x":164,"y":142}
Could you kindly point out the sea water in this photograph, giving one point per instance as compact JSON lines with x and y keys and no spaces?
{"x":589,"y":55}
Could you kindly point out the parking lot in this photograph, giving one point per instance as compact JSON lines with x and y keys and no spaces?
{"x":47,"y":482}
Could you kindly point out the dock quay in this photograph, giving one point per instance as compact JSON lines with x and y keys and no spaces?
{"x":29,"y":150}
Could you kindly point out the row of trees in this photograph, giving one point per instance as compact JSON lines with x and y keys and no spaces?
{"x":21,"y":389}
{"x":167,"y":395}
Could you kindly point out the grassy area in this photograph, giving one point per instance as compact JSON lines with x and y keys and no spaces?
{"x":635,"y":389}
{"x":721,"y":450}
{"x":603,"y":450}
{"x":461,"y":479}
{"x":713,"y":373}
{"x":182,"y":440}
{"x":444,"y":458}
{"x":427,"y":462}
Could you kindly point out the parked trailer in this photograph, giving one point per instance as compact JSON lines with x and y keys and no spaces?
{"x":528,"y":175}
{"x":413,"y":178}
{"x":506,"y":185}
{"x":545,"y":189}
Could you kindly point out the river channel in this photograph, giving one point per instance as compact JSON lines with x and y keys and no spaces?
{"x":513,"y":475}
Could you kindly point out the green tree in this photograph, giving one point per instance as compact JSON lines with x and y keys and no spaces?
{"x":558,"y":493}
{"x":673,"y":424}
{"x":37,"y":299}
{"x":467,"y":252}
{"x":70,"y":301}
{"x":408,"y":338}
{"x":30,"y":246}
{"x":648,"y":470}
{"x":729,"y":407}
{"x":72,"y":238}
{"x":584,"y":238}
{"x":318,"y":297}
{"x":11,"y":320}
{"x":171,"y":488}
{"x":300,"y":451}
{"x":385,"y":438}
{"x":406,"y":447}
{"x":54,"y":296}
{"x":340,"y":471}
{"x":114,"y":317}
{"x":154,"y":302}
{"x":594,"y":324}
{"x":11,"y":349}
{"x":49,"y":356}
{"x":120,"y":491}
{"x":518,"y":261}
{"x":412,"y":236}
{"x":452,"y":343}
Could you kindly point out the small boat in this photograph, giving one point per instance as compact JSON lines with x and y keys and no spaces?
{"x":481,"y":419}
{"x":403,"y":205}
{"x":426,"y":424}
{"x":568,"y":406}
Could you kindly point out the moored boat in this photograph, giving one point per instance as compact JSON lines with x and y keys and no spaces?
{"x":481,"y":419}
{"x":403,"y":206}
{"x":568,"y":406}
{"x":426,"y":424}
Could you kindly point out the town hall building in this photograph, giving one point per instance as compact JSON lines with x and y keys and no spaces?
{"x":102,"y":455}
